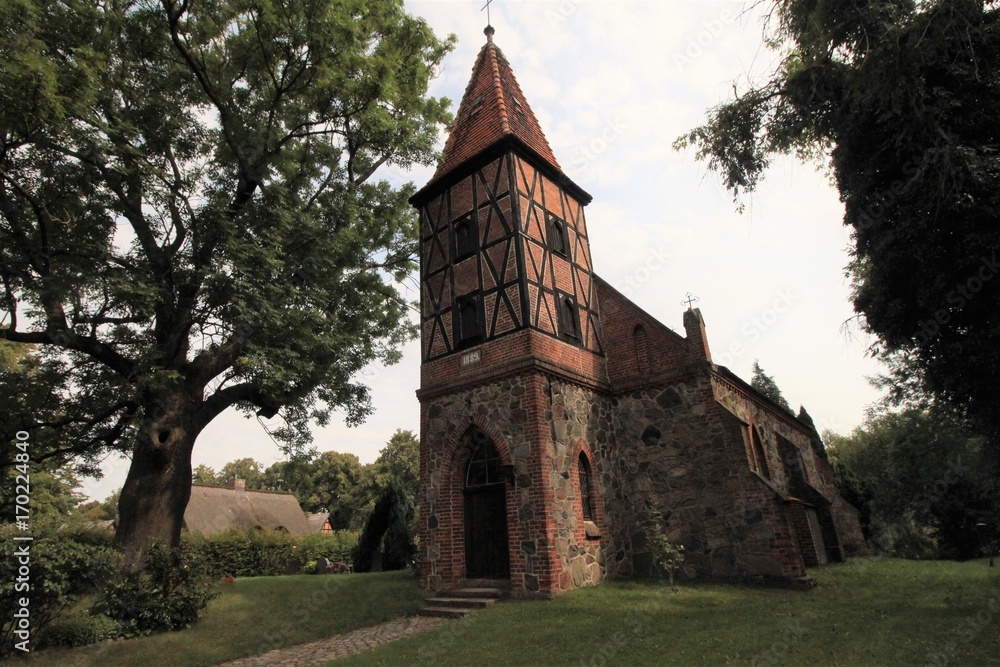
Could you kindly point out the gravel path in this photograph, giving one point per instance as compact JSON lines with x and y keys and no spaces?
{"x":339,"y":646}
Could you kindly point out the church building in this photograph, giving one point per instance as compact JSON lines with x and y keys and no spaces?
{"x":556,"y":415}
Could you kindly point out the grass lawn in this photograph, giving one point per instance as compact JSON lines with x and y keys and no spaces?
{"x":255,"y":615}
{"x":877,"y":612}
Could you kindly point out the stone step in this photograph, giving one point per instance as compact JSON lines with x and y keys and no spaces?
{"x":493,"y":593}
{"x":443,"y":612}
{"x":502,"y":584}
{"x":461,"y":602}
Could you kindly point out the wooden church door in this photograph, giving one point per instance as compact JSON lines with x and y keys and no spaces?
{"x":486,"y":544}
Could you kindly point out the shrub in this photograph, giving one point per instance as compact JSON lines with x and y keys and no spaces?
{"x":63,"y":566}
{"x":338,"y":567}
{"x":666,"y":555}
{"x":256,"y":553}
{"x":80,"y":631}
{"x":388,"y":530}
{"x":244,"y":553}
{"x":334,"y":547}
{"x":168,"y":593}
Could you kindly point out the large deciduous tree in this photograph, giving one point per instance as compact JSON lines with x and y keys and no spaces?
{"x":904,"y":96}
{"x":916,"y":479}
{"x":190,"y":219}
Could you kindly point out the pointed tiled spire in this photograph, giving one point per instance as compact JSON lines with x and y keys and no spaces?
{"x":493,"y":108}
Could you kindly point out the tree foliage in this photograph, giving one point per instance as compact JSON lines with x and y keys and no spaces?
{"x":904,"y":97}
{"x":387,"y":532}
{"x":100,"y":510}
{"x":398,"y":462}
{"x":190,"y":218}
{"x":766,"y":385}
{"x":916,"y":480}
{"x":332,"y":482}
{"x":246,"y":469}
{"x":53,"y":494}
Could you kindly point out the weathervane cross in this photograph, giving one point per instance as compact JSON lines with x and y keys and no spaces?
{"x":487,"y":8}
{"x":691,"y":299}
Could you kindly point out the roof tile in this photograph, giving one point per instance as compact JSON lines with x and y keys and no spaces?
{"x":493,"y":107}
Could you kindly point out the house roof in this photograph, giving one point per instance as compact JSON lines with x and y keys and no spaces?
{"x":316,"y":521}
{"x":213,"y":509}
{"x":493,"y":108}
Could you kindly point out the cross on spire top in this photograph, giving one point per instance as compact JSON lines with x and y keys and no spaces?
{"x":690,"y":300}
{"x":487,"y":8}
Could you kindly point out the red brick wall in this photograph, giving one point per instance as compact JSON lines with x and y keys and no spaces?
{"x":664,"y":353}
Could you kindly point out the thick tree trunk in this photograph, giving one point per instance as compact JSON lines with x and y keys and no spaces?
{"x":158,"y":486}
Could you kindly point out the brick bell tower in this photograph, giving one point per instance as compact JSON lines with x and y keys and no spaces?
{"x":509,"y":312}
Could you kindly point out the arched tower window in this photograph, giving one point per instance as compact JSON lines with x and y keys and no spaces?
{"x":569,"y":318}
{"x":466,"y":237}
{"x":484,"y":463}
{"x":586,"y":497}
{"x":470,"y":321}
{"x":556,"y":233}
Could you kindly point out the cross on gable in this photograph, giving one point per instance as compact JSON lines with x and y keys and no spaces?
{"x":690,"y":300}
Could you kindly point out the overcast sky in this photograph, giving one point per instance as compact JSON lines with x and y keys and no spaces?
{"x":613,"y":83}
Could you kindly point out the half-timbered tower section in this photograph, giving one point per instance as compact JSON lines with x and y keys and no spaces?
{"x":555,"y":413}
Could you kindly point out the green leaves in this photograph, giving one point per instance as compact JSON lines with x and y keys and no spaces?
{"x":902,"y":99}
{"x":188,"y":192}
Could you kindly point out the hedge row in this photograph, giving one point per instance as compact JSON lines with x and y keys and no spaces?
{"x":257,"y":553}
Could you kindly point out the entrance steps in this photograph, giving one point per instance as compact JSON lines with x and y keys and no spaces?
{"x":462,"y":601}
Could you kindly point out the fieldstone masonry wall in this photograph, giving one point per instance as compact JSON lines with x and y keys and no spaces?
{"x":683,"y":450}
{"x":682,"y":455}
{"x":773,"y":425}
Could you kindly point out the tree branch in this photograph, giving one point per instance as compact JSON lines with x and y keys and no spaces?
{"x":66,"y":338}
{"x":222,"y":399}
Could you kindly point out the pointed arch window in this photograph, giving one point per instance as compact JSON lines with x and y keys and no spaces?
{"x":556,"y":233}
{"x":484,"y":463}
{"x":466,"y":238}
{"x":569,"y":318}
{"x":586,"y":496}
{"x":469,"y":322}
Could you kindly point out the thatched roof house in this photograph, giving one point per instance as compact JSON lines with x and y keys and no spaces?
{"x":319,"y":523}
{"x":214,"y":509}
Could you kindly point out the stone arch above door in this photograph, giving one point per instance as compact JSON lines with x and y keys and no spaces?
{"x":458,"y":457}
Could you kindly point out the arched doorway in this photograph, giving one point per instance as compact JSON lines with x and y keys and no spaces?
{"x":486,"y":555}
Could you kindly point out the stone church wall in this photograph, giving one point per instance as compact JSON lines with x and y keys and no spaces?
{"x":678,"y":452}
{"x":582,"y":424}
{"x":773,"y":427}
{"x":548,"y":548}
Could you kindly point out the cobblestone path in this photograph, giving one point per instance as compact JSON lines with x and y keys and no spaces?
{"x":339,"y":646}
